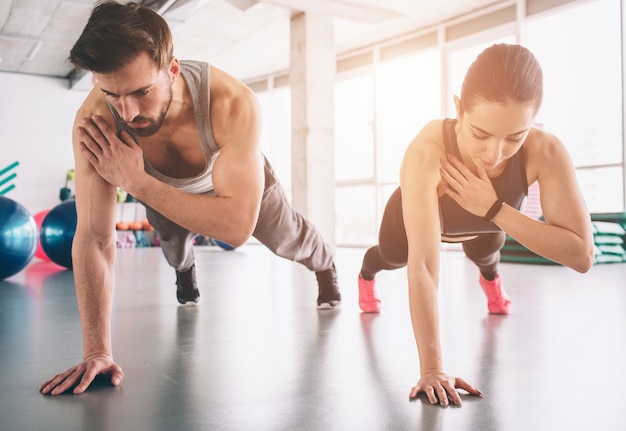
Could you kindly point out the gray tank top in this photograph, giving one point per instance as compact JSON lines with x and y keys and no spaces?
{"x":196,"y":76}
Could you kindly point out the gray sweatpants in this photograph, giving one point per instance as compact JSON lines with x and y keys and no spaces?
{"x":280,"y":228}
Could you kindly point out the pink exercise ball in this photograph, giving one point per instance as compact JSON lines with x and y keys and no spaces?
{"x":39,"y":219}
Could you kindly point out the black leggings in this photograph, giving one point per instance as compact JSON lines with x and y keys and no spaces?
{"x":392,"y":249}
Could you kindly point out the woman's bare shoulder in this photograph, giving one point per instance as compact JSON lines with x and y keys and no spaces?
{"x":544,"y":147}
{"x":422,"y":157}
{"x":544,"y":152}
{"x":433,"y":130}
{"x":429,"y":141}
{"x":542,"y":140}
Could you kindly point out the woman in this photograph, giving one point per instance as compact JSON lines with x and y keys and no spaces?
{"x":465,"y":181}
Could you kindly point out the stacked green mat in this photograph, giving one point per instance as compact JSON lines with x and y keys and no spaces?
{"x":609,"y":233}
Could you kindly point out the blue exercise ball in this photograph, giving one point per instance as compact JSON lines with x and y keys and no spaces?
{"x":57,"y":233}
{"x":18,"y":237}
{"x":226,"y":246}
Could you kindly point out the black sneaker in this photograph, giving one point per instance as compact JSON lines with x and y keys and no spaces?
{"x":186,"y":289}
{"x":329,"y":296}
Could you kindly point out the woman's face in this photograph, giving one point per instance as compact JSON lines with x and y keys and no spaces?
{"x":489,"y":133}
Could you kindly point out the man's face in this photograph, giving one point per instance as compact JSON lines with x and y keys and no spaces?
{"x":140,"y":93}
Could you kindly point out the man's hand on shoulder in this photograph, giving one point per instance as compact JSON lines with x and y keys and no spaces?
{"x":119,"y":160}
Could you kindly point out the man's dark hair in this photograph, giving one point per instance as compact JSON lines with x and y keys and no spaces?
{"x":116,"y":33}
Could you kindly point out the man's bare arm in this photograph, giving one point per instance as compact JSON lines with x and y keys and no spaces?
{"x":237,"y":173}
{"x":93,"y":253}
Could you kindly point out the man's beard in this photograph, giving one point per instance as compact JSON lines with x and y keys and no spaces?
{"x":153,"y":125}
{"x":149,"y":130}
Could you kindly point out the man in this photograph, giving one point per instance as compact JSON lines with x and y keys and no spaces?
{"x":182,"y":138}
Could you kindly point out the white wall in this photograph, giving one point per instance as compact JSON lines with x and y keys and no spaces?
{"x":36,"y":118}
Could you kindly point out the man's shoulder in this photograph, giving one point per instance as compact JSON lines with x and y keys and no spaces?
{"x":193,"y":63}
{"x":94,"y":104}
{"x":195,"y":66}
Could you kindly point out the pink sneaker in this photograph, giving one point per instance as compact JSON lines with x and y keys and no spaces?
{"x":368,"y":300}
{"x":497,"y":301}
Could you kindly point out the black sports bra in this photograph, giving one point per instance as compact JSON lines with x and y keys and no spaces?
{"x":511,"y":186}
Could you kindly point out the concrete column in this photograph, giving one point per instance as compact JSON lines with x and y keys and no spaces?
{"x":312,"y":80}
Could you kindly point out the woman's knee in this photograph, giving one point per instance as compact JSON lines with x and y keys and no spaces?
{"x":393,"y":256}
{"x":485,"y":247}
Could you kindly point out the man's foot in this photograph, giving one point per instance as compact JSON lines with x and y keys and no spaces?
{"x":186,"y":289}
{"x":368,"y":299}
{"x":497,"y":301}
{"x":329,"y":296}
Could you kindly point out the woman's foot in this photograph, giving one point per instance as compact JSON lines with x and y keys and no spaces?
{"x":497,"y":301}
{"x":368,"y":299}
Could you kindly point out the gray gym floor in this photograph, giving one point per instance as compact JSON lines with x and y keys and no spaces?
{"x":258,"y":355}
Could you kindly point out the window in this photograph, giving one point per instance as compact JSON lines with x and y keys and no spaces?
{"x":409,"y":95}
{"x":377,"y":116}
{"x":355,"y":197}
{"x":355,"y":215}
{"x":354,"y":128}
{"x":276,"y":131}
{"x":583,"y":94}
